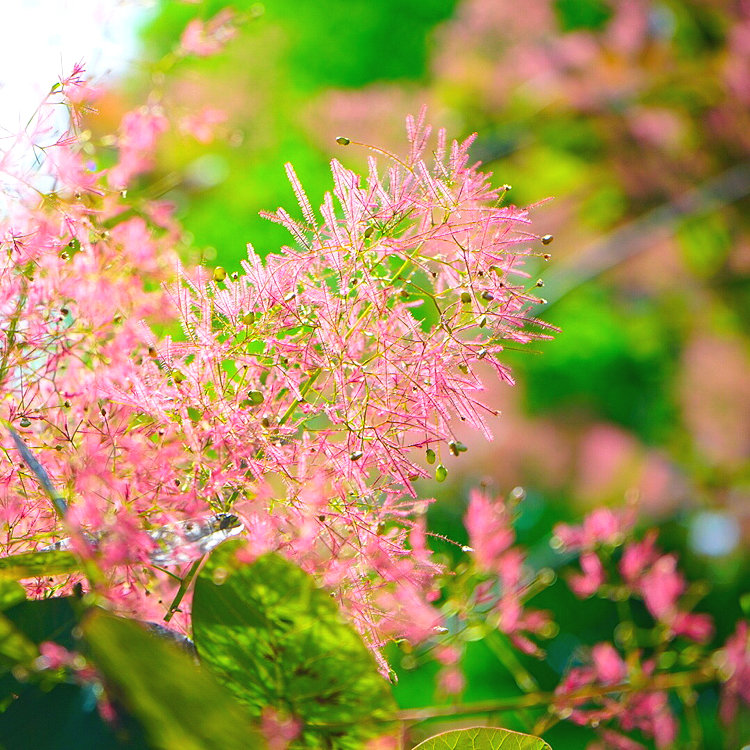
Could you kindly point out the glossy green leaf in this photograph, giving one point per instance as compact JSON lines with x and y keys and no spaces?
{"x":179,"y":706}
{"x":39,"y":564}
{"x":277,"y":640}
{"x":483,"y":738}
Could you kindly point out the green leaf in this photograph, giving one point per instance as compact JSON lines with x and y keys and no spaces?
{"x":179,"y":706}
{"x":39,"y":564}
{"x":483,"y":738}
{"x":277,"y":640}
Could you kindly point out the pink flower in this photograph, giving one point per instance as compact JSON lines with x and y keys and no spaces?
{"x":650,"y":713}
{"x":139,"y":131}
{"x":601,"y":526}
{"x":697,"y":627}
{"x":451,"y":681}
{"x":593,"y":576}
{"x":202,"y":125}
{"x":206,"y":39}
{"x":490,"y":532}
{"x":637,"y":557}
{"x":54,"y":656}
{"x":661,"y":587}
{"x":610,"y":668}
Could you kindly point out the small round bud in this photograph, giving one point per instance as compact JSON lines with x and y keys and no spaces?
{"x":430,"y":454}
{"x":356,"y":455}
{"x":255,"y":397}
{"x":25,"y":422}
{"x":540,"y":282}
{"x":342,"y":140}
{"x":465,"y":298}
{"x":440,"y":473}
{"x":220,"y":273}
{"x":547,"y":239}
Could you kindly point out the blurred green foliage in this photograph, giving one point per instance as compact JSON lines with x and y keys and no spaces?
{"x":288,"y":54}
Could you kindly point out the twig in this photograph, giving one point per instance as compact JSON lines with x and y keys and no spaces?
{"x":634,"y":237}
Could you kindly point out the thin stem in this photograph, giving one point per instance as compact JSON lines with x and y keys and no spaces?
{"x":509,"y":660}
{"x":303,"y":392}
{"x":544,"y":699}
{"x":184,"y":585}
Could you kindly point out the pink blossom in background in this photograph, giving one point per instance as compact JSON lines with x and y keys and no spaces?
{"x":209,"y":38}
{"x":662,"y":586}
{"x":54,"y":656}
{"x":601,"y":526}
{"x":638,"y":556}
{"x":697,"y":627}
{"x":451,"y":681}
{"x":490,"y":532}
{"x":139,"y":132}
{"x":202,"y":125}
{"x":610,"y":668}
{"x":716,"y":400}
{"x":592,"y":577}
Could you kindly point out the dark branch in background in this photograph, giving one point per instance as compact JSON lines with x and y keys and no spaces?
{"x":634,"y":237}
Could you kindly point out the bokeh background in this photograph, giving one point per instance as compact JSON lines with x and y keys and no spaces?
{"x":633,"y":116}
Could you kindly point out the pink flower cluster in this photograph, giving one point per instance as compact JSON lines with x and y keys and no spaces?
{"x":493,"y":543}
{"x":303,"y":392}
{"x":644,"y":571}
{"x":646,"y":710}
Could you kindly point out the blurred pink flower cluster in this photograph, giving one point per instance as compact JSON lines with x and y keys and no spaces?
{"x":631,"y":691}
{"x":644,"y":571}
{"x":495,"y":552}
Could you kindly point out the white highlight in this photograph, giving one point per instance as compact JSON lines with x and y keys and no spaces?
{"x":41,"y":41}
